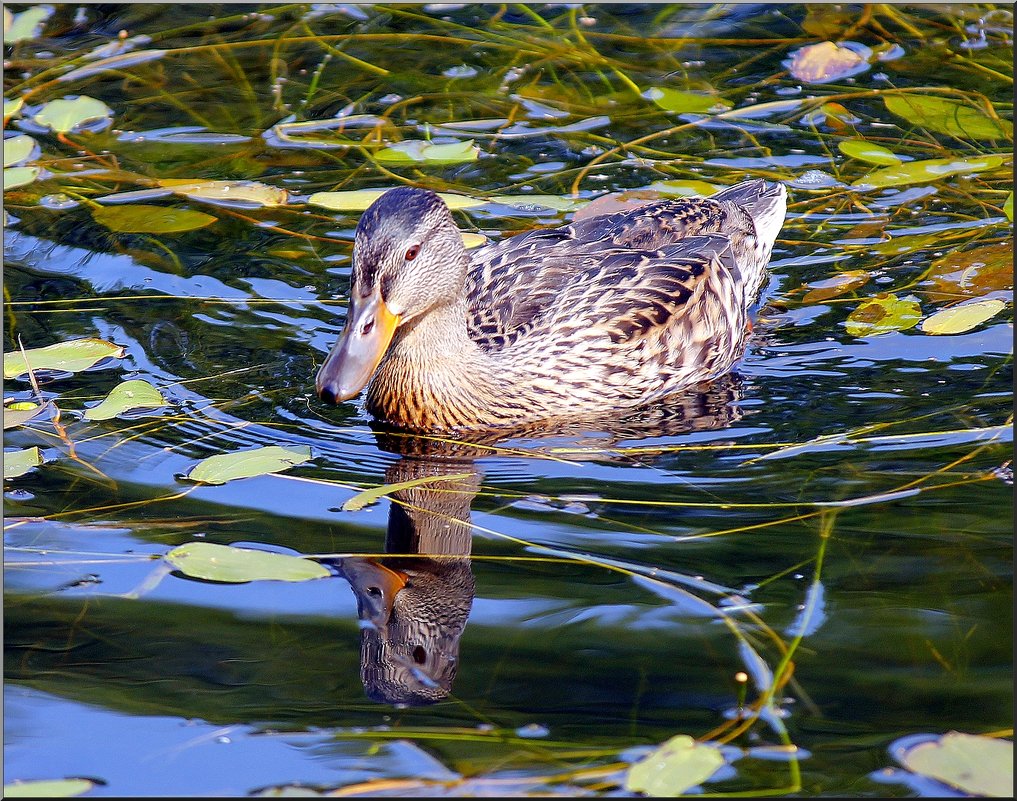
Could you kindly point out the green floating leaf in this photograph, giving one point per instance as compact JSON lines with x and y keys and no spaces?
{"x":143,"y":219}
{"x":362,"y":499}
{"x":211,"y":562}
{"x":471,"y":240}
{"x":690,"y":188}
{"x":883,"y":314}
{"x":958,"y":319}
{"x":17,"y":414}
{"x":134,"y":394}
{"x":361,"y":199}
{"x":412,"y":151}
{"x":868,"y":152}
{"x":17,"y":463}
{"x":686,"y":102}
{"x":48,"y":788}
{"x":674,"y":767}
{"x":244,"y":464}
{"x":1008,"y":207}
{"x":18,"y":149}
{"x":67,"y":114}
{"x":12,"y":107}
{"x":246,"y":192}
{"x":26,"y":25}
{"x":554,"y":202}
{"x":72,"y":356}
{"x":921,"y":172}
{"x":19,"y":176}
{"x":948,"y":116}
{"x":971,"y":763}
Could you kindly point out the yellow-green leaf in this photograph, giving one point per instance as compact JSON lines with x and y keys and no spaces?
{"x":12,"y":107}
{"x":72,"y":356}
{"x":1008,"y":207}
{"x":362,"y":499}
{"x":674,"y":767}
{"x":69,"y":113}
{"x":943,"y":115}
{"x":19,"y":413}
{"x":361,"y":199}
{"x":211,"y":562}
{"x":48,"y":788}
{"x":26,"y":25}
{"x":471,"y":240}
{"x":680,"y":102}
{"x":971,"y":763}
{"x":412,"y":151}
{"x":134,"y":394}
{"x":19,"y":176}
{"x":143,"y":219}
{"x":958,"y":319}
{"x":920,"y":172}
{"x":684,"y":188}
{"x":17,"y":463}
{"x":868,"y":152}
{"x":18,"y":149}
{"x":242,"y":192}
{"x":244,"y":464}
{"x":882,"y":314}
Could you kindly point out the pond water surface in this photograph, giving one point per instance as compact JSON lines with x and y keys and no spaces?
{"x":812,"y":552}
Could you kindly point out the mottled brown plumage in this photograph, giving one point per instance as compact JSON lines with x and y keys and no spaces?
{"x":609,"y":312}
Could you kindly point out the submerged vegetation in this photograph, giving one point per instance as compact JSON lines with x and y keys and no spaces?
{"x":795,"y":575}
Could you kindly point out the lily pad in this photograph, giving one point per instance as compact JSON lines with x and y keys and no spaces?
{"x":70,"y":113}
{"x":958,"y":319}
{"x":225,"y":467}
{"x":920,"y":172}
{"x":674,"y":767}
{"x":72,"y":356}
{"x":412,"y":151}
{"x":134,"y":394}
{"x":48,"y":788}
{"x":17,"y":463}
{"x":837,"y":285}
{"x":26,"y":25}
{"x":12,"y":107}
{"x":685,"y":188}
{"x":943,"y":115}
{"x":868,"y":152}
{"x":971,"y":763}
{"x":1008,"y":207}
{"x":19,"y":176}
{"x":144,"y":219}
{"x":18,"y":149}
{"x":211,"y":562}
{"x":971,"y":273}
{"x":18,"y":413}
{"x":369,"y":496}
{"x":244,"y":192}
{"x":361,"y":199}
{"x":471,"y":240}
{"x":828,"y":61}
{"x":882,"y":314}
{"x":686,"y":102}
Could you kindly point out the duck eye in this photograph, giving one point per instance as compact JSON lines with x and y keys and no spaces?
{"x":411,"y":254}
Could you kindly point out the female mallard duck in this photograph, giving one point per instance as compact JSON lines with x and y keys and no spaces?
{"x":608,"y":312}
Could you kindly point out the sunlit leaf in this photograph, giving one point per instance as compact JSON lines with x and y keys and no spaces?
{"x":837,"y":285}
{"x":971,"y":763}
{"x":943,"y":115}
{"x":760,"y":110}
{"x":134,"y":394}
{"x":211,"y":562}
{"x":528,"y":202}
{"x":920,"y":172}
{"x":361,"y":199}
{"x":471,"y":240}
{"x":882,"y":314}
{"x":971,"y":273}
{"x":866,"y":151}
{"x":12,"y":107}
{"x":685,"y":188}
{"x":1008,"y":207}
{"x":411,"y":151}
{"x":362,"y":499}
{"x":143,"y":219}
{"x":827,"y":61}
{"x":245,"y":192}
{"x":26,"y":25}
{"x":18,"y":149}
{"x":17,"y":414}
{"x":19,"y":176}
{"x":686,"y":102}
{"x":67,"y":114}
{"x":72,"y":356}
{"x":958,"y":319}
{"x":48,"y":788}
{"x":225,"y":467}
{"x":17,"y":463}
{"x":674,"y":767}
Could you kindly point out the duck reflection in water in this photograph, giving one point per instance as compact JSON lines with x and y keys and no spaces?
{"x":413,"y":604}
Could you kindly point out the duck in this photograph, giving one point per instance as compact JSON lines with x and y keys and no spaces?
{"x":606,"y":313}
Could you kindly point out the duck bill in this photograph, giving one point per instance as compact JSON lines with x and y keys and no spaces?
{"x":367,"y":335}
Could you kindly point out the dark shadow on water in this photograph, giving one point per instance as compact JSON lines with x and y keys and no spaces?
{"x":414,"y":603}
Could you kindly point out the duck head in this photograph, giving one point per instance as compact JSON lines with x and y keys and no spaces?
{"x":408,"y":258}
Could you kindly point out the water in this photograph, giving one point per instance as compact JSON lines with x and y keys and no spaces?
{"x":567,"y":599}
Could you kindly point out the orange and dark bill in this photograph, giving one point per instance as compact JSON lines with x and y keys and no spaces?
{"x":353,"y":360}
